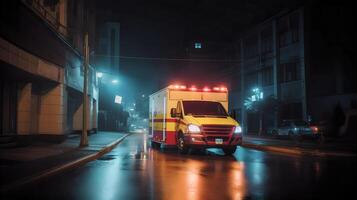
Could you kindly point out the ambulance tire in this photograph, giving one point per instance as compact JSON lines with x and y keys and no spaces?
{"x":182,"y":148}
{"x":155,"y":145}
{"x":229,"y":151}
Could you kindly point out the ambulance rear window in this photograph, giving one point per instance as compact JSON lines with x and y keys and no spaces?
{"x":203,"y":108}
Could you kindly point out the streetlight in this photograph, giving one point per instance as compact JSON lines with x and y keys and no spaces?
{"x":99,"y":74}
{"x":255,"y":103}
{"x":257,"y":94}
{"x":115,"y":81}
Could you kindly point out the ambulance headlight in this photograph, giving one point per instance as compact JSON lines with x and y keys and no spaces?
{"x":194,"y":129}
{"x":238,"y":130}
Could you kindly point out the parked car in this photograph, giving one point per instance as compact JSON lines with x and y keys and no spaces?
{"x":297,"y":129}
{"x":319,"y":127}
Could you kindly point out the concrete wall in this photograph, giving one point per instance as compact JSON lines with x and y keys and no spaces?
{"x":24,"y":110}
{"x":52,"y":113}
{"x":92,"y":112}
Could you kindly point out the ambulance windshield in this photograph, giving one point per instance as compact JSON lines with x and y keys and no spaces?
{"x":204,"y":108}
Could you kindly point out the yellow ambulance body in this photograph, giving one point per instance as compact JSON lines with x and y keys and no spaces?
{"x":193,"y":118}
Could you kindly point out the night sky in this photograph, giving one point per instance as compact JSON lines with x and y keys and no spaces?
{"x":164,"y":29}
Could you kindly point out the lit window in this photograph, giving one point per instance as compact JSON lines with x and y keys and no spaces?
{"x":198,"y":45}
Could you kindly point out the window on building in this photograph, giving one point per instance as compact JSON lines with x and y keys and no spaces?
{"x":294,"y":27}
{"x":267,"y":76}
{"x":289,"y":72}
{"x":112,"y":48}
{"x":283,"y":31}
{"x":198,"y":45}
{"x":288,"y":29}
{"x":250,"y":47}
{"x":267,"y":40}
{"x":251,"y":80}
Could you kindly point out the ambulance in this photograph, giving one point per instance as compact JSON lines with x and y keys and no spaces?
{"x":193,"y":118}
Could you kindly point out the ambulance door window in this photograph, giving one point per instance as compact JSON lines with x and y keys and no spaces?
{"x":179,"y":109}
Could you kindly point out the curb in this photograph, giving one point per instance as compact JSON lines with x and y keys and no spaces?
{"x":297,"y":151}
{"x":62,"y":168}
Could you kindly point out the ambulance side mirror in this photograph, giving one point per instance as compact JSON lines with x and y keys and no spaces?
{"x":173,"y":112}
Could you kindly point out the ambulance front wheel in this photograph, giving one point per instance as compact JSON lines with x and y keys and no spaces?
{"x":155,"y":145}
{"x":181,"y":146}
{"x":230,"y":150}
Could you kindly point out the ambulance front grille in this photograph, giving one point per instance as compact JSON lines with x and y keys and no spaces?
{"x":217,"y":129}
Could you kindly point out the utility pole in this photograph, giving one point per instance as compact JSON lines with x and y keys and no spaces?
{"x":84,"y":137}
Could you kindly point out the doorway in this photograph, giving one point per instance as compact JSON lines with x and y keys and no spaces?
{"x":8,"y":107}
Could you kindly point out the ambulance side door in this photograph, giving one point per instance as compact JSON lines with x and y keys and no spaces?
{"x":179,"y":116}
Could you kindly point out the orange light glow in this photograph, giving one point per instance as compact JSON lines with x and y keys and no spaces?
{"x":216,"y":88}
{"x":206,"y":89}
{"x":223,"y":89}
{"x":177,"y":87}
{"x":315,"y":129}
{"x":193,"y":88}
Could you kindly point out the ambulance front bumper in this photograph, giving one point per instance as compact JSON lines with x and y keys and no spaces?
{"x":202,"y":141}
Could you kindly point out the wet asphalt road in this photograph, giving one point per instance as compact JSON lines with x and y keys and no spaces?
{"x":135,"y":171}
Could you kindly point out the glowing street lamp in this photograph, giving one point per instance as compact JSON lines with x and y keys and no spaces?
{"x":99,"y":74}
{"x":257,"y":95}
{"x":115,"y":81}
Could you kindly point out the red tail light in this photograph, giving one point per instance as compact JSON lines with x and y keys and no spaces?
{"x":314,"y":129}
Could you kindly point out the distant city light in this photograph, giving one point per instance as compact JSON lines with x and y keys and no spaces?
{"x":257,"y":94}
{"x":118,"y":99}
{"x":99,"y":74}
{"x":255,"y":90}
{"x":115,"y":81}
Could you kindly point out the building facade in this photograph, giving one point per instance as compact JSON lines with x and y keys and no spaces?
{"x":108,"y":48}
{"x":107,"y":60}
{"x":286,"y":59}
{"x":41,"y":67}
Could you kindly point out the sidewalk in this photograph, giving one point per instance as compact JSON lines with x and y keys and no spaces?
{"x":306,"y":147}
{"x":21,"y":165}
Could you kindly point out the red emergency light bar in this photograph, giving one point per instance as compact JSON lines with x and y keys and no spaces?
{"x":221,"y":89}
{"x":194,"y":88}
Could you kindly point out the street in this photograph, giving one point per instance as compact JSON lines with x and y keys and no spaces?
{"x":175,"y":100}
{"x":133,"y":170}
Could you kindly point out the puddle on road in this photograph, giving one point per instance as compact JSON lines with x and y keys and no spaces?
{"x":107,"y":157}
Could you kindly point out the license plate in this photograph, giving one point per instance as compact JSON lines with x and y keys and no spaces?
{"x":219,"y":141}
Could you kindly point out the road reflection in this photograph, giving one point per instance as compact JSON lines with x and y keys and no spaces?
{"x":204,"y":175}
{"x":134,"y":170}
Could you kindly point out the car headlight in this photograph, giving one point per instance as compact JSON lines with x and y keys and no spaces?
{"x":194,"y":128}
{"x":238,"y":130}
